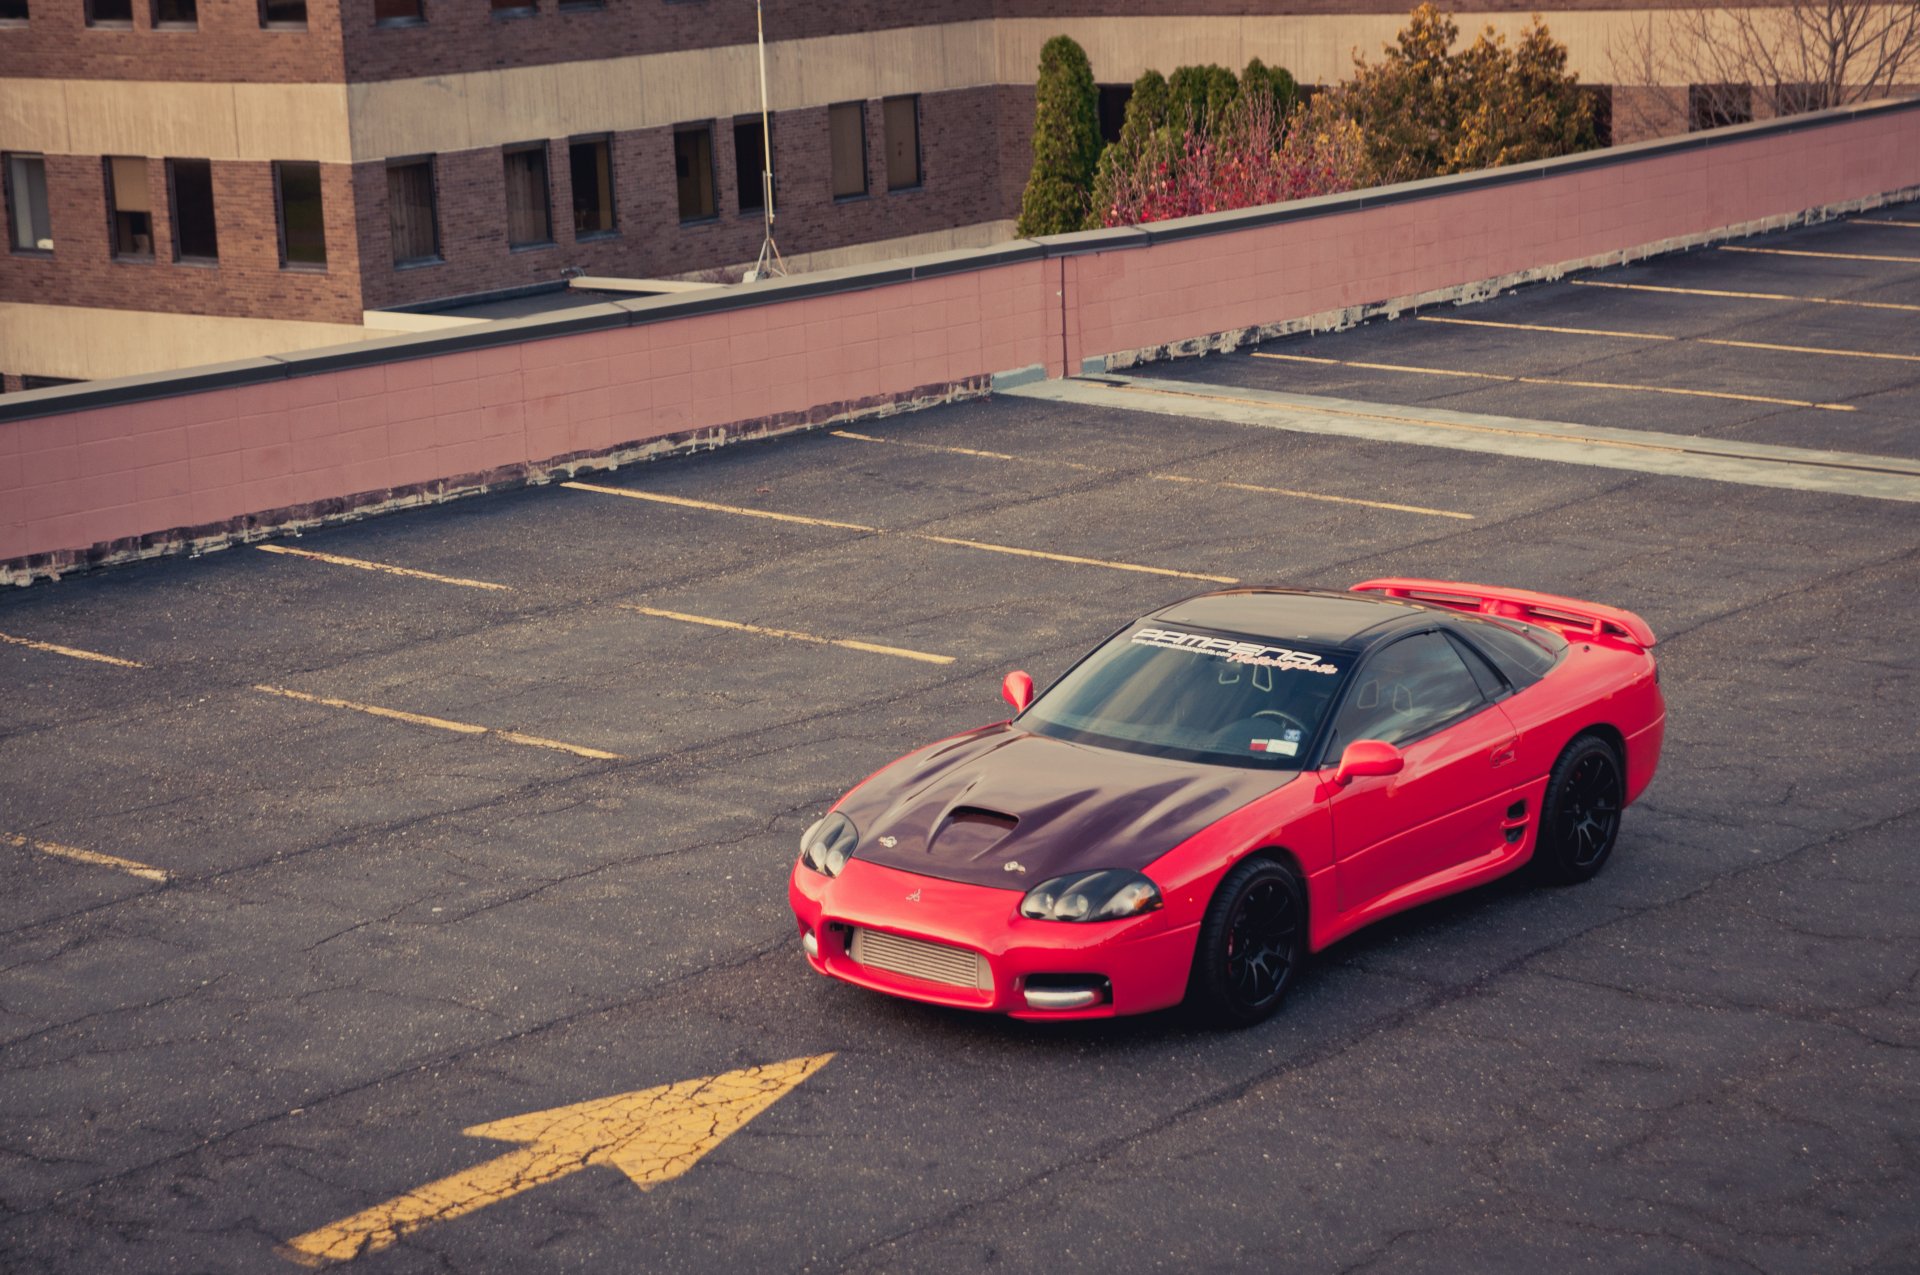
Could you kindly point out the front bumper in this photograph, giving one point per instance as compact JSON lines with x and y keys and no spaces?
{"x":1138,"y":964}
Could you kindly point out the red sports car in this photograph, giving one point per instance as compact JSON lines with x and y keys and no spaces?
{"x":1229,"y":784}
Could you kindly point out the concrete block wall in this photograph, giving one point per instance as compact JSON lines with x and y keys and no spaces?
{"x":113,"y":471}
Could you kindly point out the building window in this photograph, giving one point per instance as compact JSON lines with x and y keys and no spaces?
{"x":190,"y":183}
{"x":13,"y":13}
{"x":1113,"y":110}
{"x":130,"y":206}
{"x":847,"y":140}
{"x":27,"y":227}
{"x":903,"y":142}
{"x":512,"y":9}
{"x":109,"y":13}
{"x":1798,"y":99}
{"x":529,"y":208}
{"x":303,"y":227}
{"x":693,"y":171}
{"x":284,"y":15}
{"x":1718,"y":105}
{"x":398,"y":13}
{"x":410,"y":213}
{"x":175,"y":15}
{"x":591,"y":161}
{"x":749,"y":163}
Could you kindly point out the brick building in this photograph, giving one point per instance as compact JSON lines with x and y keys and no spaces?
{"x":194,"y":181}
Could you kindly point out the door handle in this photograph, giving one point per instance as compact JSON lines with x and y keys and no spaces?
{"x":1503,"y":754}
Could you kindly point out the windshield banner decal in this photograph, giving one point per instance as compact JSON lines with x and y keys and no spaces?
{"x":1279,"y":657}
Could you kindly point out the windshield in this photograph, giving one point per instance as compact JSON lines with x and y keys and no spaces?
{"x":1194,"y":696}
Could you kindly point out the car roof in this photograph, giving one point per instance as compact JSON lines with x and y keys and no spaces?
{"x":1353,"y":621}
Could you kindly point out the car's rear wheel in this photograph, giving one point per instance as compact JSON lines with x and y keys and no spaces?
{"x":1252,"y":945}
{"x":1581,"y":817}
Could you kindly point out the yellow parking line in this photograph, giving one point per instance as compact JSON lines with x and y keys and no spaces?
{"x":441,"y":723}
{"x":1830,"y":256}
{"x":363,"y":565}
{"x":911,"y":535}
{"x":1746,"y":296}
{"x":131,"y":867}
{"x":1815,"y":349}
{"x":1877,"y":221}
{"x":1541,"y":327}
{"x":71,"y":652}
{"x":1548,"y":380}
{"x":1315,"y":495}
{"x":966,"y":451}
{"x":850,"y":643}
{"x":657,"y":498}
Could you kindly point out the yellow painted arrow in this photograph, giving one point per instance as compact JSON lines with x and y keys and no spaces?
{"x":651,"y":1135}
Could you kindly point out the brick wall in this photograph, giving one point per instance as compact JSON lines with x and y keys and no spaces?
{"x":961,"y":184}
{"x":248,"y":280}
{"x":228,"y":46}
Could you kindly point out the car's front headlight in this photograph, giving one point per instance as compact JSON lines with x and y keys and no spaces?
{"x":1111,"y":895}
{"x":828,"y":844}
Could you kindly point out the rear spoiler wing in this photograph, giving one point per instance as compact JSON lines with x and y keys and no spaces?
{"x":1569,"y":617}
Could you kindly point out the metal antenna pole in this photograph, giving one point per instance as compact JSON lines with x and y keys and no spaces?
{"x":770,"y":261}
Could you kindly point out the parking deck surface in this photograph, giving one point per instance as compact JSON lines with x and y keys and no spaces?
{"x":486,"y":810}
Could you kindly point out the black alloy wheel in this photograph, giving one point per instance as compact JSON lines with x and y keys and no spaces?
{"x":1252,"y":944}
{"x":1581,"y":820}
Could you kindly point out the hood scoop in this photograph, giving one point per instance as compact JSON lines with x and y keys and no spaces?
{"x":969,"y":832}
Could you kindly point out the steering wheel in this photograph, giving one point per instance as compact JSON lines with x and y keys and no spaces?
{"x":1276,"y":714}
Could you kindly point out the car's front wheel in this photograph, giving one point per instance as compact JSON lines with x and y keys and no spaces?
{"x":1252,"y":944}
{"x":1581,"y":818}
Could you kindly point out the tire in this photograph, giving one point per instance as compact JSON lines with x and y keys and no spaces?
{"x":1580,"y":817}
{"x":1252,"y":945}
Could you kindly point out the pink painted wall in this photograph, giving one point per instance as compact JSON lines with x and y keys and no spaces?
{"x":1177,"y":290}
{"x":73,"y":481}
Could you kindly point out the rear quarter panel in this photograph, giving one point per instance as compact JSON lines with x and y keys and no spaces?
{"x":1600,"y":685}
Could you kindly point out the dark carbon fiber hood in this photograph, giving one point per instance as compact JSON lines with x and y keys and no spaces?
{"x":967,"y":808}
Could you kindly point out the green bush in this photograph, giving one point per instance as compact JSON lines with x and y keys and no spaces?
{"x":1066,"y":142}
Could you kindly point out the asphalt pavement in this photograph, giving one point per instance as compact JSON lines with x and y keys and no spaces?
{"x":357,"y":840}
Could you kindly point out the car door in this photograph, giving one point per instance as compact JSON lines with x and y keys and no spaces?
{"x":1444,"y":808}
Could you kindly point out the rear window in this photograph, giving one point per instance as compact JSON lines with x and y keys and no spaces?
{"x":1194,"y":695}
{"x":1524,"y":652}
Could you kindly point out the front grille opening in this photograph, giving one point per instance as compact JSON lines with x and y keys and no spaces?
{"x":917,"y":958}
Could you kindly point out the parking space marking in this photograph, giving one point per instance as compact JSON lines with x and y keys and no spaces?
{"x":364,"y":565}
{"x":441,"y":723}
{"x":93,"y":858}
{"x":850,"y":644}
{"x":1877,"y":221}
{"x":651,"y":1135}
{"x":1801,"y":252}
{"x":1164,"y":478}
{"x":1746,"y":296}
{"x":986,"y":546}
{"x":1703,"y":340}
{"x":1553,"y":380}
{"x":71,"y":652}
{"x":1315,"y":495}
{"x":711,"y":507}
{"x":1541,"y":327}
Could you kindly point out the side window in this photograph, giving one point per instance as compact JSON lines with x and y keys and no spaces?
{"x":1490,"y":684}
{"x":1406,"y":690}
{"x":1524,"y":652}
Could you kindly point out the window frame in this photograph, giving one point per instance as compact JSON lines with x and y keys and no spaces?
{"x":757,"y":210}
{"x":180,"y":256}
{"x":280,"y":216}
{"x":267,"y":24}
{"x":17,"y":23}
{"x":7,"y":159}
{"x":106,"y":24}
{"x":513,"y":10}
{"x":438,"y":256}
{"x":507,"y":154}
{"x":173,"y":24}
{"x":713,"y":176}
{"x":113,"y":211}
{"x":613,"y":200}
{"x":866,"y":177}
{"x":1335,"y":740}
{"x":418,"y":18}
{"x":919,"y":159}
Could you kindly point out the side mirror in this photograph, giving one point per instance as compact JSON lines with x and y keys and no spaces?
{"x":1017,"y":690}
{"x":1368,"y":757}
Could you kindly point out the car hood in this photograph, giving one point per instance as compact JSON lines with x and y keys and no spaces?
{"x":1006,"y":808}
